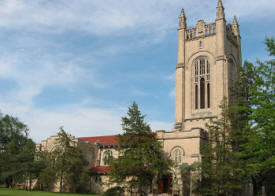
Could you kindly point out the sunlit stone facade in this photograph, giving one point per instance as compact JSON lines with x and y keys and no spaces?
{"x":209,"y":59}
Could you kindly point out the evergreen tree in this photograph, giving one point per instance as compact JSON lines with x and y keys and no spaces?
{"x":70,"y":164}
{"x":141,"y":158}
{"x":221,"y":172}
{"x":190,"y":175}
{"x":47,"y":174}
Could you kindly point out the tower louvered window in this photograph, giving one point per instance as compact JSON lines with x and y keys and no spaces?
{"x":202,"y":97}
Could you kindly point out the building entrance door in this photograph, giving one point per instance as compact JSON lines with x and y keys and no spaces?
{"x":165,"y":184}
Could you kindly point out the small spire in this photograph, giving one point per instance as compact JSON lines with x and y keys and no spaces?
{"x":220,"y":3}
{"x":182,"y":14}
{"x":235,"y":26}
{"x":182,"y":20}
{"x":220,"y":10}
{"x":235,"y":21}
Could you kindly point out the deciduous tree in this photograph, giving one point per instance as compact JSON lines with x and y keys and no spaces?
{"x":258,"y":150}
{"x":16,"y":151}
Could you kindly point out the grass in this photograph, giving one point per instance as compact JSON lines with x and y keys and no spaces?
{"x":18,"y":192}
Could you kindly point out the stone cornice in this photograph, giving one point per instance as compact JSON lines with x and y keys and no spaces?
{"x":180,"y":65}
{"x":178,"y":138}
{"x":199,"y":118}
{"x":220,"y":58}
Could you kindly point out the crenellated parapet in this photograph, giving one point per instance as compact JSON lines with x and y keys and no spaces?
{"x":201,"y":30}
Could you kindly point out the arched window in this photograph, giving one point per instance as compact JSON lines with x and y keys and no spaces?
{"x":231,"y":72}
{"x":177,"y":154}
{"x":202,"y":66}
{"x":208,"y":95}
{"x":202,"y":93}
{"x":106,"y":157}
{"x":196,"y":96}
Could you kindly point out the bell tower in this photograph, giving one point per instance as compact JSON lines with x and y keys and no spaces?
{"x":209,"y":58}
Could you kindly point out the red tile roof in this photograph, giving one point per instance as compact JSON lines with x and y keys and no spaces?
{"x":107,"y":140}
{"x":100,"y":169}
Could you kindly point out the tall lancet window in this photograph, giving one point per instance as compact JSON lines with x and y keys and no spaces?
{"x":208,"y":83}
{"x":202,"y":93}
{"x":196,"y":85}
{"x":201,"y":77}
{"x":231,"y":71}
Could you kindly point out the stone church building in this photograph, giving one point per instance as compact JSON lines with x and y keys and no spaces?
{"x":209,"y":58}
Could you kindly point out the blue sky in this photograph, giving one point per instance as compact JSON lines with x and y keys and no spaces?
{"x":81,"y":63}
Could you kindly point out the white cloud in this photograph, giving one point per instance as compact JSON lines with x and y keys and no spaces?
{"x":34,"y":68}
{"x":32,"y":76}
{"x":123,"y":16}
{"x":78,"y":120}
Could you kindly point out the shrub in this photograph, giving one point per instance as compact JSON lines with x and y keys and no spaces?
{"x":114,"y":191}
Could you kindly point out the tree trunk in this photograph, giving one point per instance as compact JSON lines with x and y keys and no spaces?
{"x":30,"y":182}
{"x":256,"y":187}
{"x":61,"y":184}
{"x":7,"y":183}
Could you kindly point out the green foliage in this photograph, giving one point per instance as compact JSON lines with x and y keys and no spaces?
{"x":242,"y":142}
{"x":221,"y":173}
{"x":17,"y":152}
{"x":258,"y":150}
{"x":70,"y":164}
{"x":114,"y":191}
{"x":17,"y":192}
{"x":190,"y":175}
{"x":45,"y":164}
{"x":47,"y":178}
{"x":11,"y":127}
{"x":141,"y":156}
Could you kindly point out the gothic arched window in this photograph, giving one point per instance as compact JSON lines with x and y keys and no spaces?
{"x":201,"y":73}
{"x":231,"y":72}
{"x":106,"y":157}
{"x":202,"y":93}
{"x":196,"y":96}
{"x":208,"y":95}
{"x":177,"y":154}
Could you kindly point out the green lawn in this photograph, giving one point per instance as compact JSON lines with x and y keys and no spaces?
{"x":16,"y":192}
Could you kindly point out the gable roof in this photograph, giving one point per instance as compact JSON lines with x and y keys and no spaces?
{"x":108,"y":140}
{"x":100,"y":170}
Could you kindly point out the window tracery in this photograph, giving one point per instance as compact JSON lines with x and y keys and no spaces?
{"x":201,"y":86}
{"x":106,"y":157}
{"x":231,"y":71}
{"x":177,"y":155}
